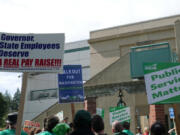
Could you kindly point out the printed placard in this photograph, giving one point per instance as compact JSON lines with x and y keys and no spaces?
{"x":70,"y":84}
{"x":162,"y":82}
{"x":120,"y":114}
{"x":31,"y":52}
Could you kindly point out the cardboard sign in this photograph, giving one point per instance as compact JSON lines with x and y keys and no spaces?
{"x":162,"y":82}
{"x":71,"y":85}
{"x":120,"y":114}
{"x":31,"y":52}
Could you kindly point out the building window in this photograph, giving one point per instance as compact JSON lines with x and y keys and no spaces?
{"x":43,"y":94}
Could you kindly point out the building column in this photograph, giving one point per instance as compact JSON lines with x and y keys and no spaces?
{"x":156,"y":113}
{"x":90,"y":104}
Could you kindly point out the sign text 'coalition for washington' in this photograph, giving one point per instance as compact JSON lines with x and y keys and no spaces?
{"x":10,"y":45}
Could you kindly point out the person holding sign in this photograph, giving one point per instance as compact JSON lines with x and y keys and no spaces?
{"x":11,"y":130}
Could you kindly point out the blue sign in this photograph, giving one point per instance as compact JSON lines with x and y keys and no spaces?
{"x":71,"y":85}
{"x":171,"y":113}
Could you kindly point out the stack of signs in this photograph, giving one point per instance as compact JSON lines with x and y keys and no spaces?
{"x":100,"y":112}
{"x":162,"y":82}
{"x":120,"y":114}
{"x":71,"y":85}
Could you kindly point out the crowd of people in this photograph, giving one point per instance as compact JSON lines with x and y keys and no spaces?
{"x":83,"y":124}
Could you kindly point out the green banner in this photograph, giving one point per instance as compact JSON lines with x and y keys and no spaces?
{"x":162,"y":82}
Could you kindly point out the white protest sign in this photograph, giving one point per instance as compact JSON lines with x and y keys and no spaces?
{"x":100,"y":112}
{"x":162,"y":83}
{"x":120,"y":114}
{"x":31,"y":52}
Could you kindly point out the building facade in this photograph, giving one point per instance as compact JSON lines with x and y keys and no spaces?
{"x":110,"y":71}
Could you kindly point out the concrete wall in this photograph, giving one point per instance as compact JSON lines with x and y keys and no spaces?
{"x":104,"y":53}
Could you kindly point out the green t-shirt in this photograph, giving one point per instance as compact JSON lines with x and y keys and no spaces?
{"x":127,"y":132}
{"x":11,"y":132}
{"x":45,"y":133}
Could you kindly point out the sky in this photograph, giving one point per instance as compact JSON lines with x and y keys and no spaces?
{"x":75,"y":18}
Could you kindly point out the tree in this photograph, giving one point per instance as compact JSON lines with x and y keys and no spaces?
{"x":16,"y":100}
{"x":3,"y":110}
{"x":8,"y":98}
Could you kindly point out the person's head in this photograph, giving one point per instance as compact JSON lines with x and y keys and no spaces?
{"x":126,"y":125}
{"x":146,"y":129}
{"x":65,"y":120}
{"x":82,"y":119}
{"x":61,"y":129}
{"x":138,"y":129}
{"x":51,"y":123}
{"x":97,"y":124}
{"x":116,"y":127}
{"x":12,"y":119}
{"x":157,"y":129}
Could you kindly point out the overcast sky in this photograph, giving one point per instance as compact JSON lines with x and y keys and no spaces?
{"x":75,"y":18}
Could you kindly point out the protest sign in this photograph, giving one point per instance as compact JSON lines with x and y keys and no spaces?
{"x":70,"y":84}
{"x":28,"y":125}
{"x":100,"y":112}
{"x":171,"y":113}
{"x":120,"y":114}
{"x":31,"y":52}
{"x":162,"y":82}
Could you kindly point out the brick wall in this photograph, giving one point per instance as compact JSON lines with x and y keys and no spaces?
{"x":156,"y":114}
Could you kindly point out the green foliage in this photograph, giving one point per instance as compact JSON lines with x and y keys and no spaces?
{"x":8,"y":98}
{"x":16,"y":100}
{"x":3,"y":110}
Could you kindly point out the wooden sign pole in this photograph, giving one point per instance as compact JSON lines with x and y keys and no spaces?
{"x":21,"y":106}
{"x":72,"y":110}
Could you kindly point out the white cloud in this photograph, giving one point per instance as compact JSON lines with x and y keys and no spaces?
{"x":10,"y":82}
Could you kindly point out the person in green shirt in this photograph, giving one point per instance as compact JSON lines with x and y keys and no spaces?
{"x":11,"y":121}
{"x":117,"y":128}
{"x":126,"y":126}
{"x":52,"y":121}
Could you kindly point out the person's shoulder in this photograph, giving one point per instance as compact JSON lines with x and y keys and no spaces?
{"x":123,"y":133}
{"x":120,"y":133}
{"x":23,"y":133}
{"x":4,"y":132}
{"x":45,"y":133}
{"x":131,"y":132}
